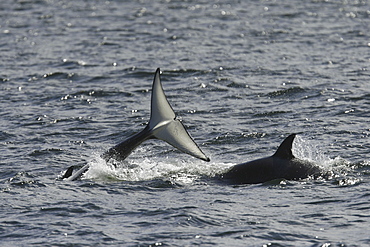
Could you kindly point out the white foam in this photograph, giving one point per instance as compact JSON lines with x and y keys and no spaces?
{"x":179,"y":170}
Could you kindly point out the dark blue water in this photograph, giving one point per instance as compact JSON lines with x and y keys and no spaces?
{"x":75,"y":79}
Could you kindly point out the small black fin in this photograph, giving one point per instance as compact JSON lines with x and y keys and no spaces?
{"x":285,"y":149}
{"x":68,"y":173}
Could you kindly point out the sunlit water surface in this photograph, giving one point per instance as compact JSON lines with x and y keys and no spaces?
{"x":75,"y":80}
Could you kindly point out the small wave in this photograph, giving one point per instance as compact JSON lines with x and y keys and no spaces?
{"x":41,"y":152}
{"x":5,"y":135}
{"x":349,"y":174}
{"x":59,"y":75}
{"x":90,"y":94}
{"x":24,"y":179}
{"x":286,"y":92}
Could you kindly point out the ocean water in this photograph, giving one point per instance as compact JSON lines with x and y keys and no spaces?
{"x":75,"y":79}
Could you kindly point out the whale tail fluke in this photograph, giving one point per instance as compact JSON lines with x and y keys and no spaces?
{"x":162,"y":125}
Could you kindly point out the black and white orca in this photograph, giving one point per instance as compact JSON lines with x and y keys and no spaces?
{"x":282,"y":165}
{"x":162,"y":125}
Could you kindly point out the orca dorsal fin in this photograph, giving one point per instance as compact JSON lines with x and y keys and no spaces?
{"x":285,"y":149}
{"x":164,"y":125}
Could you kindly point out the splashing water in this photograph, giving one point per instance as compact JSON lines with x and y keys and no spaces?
{"x":180,"y":171}
{"x":308,"y":150}
{"x":176,"y":170}
{"x":336,"y":168}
